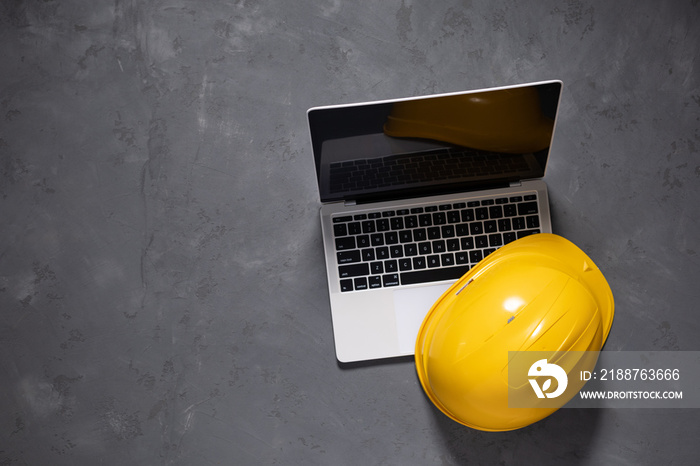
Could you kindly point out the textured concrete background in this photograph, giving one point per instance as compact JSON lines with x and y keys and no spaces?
{"x":162,"y":293}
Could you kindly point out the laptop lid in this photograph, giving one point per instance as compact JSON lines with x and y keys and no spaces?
{"x":433,"y":145}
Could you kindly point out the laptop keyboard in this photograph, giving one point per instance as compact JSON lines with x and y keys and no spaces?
{"x":424,"y":244}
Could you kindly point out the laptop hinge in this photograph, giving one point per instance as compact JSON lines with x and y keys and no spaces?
{"x":350,"y":203}
{"x":516,"y":184}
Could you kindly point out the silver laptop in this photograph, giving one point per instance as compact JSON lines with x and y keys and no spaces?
{"x":417,"y":191}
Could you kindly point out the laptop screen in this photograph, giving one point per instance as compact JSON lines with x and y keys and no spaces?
{"x":434,"y":144}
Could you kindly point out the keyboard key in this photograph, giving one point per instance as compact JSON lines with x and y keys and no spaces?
{"x":467,"y":215}
{"x":482,"y":213}
{"x":419,"y":263}
{"x":420,"y":234}
{"x":527,"y":208}
{"x":397,"y":223}
{"x":391,"y":266}
{"x":509,"y":237}
{"x":405,"y":264}
{"x":453,"y":245}
{"x":411,"y":221}
{"x":391,"y":237}
{"x":405,"y":236}
{"x":448,"y":231}
{"x":481,"y":241}
{"x":467,"y":243}
{"x":518,"y":223}
{"x":495,"y":240}
{"x":428,"y":275}
{"x":346,"y":285}
{"x":533,"y":221}
{"x":433,"y":233}
{"x":461,"y":258}
{"x":425,"y":220}
{"x":490,"y":226}
{"x":383,"y":225}
{"x":495,"y":211}
{"x":360,"y":283}
{"x":439,"y":246}
{"x":447,"y":260}
{"x":375,"y":282}
{"x":424,"y":248}
{"x":367,"y":254}
{"x":410,"y":250}
{"x":363,"y":241}
{"x":476,"y":228}
{"x":531,"y":197}
{"x":462,"y":229}
{"x":396,"y":251}
{"x":433,"y":261}
{"x":342,"y":219}
{"x":439,"y":218}
{"x":340,"y":229}
{"x":475,"y":256}
{"x":382,"y":253}
{"x":346,"y":257}
{"x":391,"y":280}
{"x":504,"y":224}
{"x":377,"y":239}
{"x":376,"y":268}
{"x":522,"y":234}
{"x":353,"y":270}
{"x":510,"y":210}
{"x":368,"y":226}
{"x":453,"y":216}
{"x":354,"y":228}
{"x":345,"y":243}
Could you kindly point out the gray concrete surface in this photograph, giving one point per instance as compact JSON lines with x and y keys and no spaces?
{"x":162,"y":294}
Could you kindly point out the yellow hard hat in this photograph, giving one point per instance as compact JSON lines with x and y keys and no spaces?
{"x":509,"y":121}
{"x":539,"y":293}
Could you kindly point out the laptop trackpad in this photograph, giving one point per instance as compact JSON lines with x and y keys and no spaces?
{"x":411,"y":306}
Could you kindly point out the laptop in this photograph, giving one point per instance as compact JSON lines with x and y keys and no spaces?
{"x":417,"y":191}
